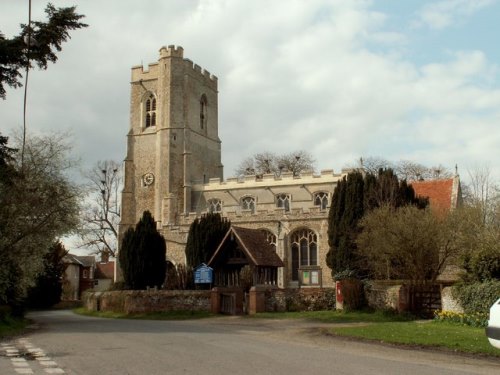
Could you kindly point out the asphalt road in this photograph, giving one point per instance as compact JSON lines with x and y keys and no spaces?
{"x":65,"y":343}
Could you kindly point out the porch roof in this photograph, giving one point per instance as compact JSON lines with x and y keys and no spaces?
{"x":255,"y":246}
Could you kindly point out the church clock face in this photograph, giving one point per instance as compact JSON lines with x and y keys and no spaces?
{"x":148,"y":179}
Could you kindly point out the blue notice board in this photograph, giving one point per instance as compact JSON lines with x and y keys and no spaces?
{"x":203,"y":274}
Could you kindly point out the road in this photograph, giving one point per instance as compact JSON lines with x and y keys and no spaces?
{"x":65,"y":343}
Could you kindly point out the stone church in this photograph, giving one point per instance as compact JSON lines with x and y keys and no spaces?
{"x":173,"y":169}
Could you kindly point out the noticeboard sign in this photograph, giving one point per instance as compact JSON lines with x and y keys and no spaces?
{"x":203,"y":274}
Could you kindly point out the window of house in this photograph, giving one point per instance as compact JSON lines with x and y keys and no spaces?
{"x":85,"y":274}
{"x":283,"y":201}
{"x":248,"y":203}
{"x":150,"y":111}
{"x":321,"y":200}
{"x":214,"y":205}
{"x":304,"y":250}
{"x":203,"y":111}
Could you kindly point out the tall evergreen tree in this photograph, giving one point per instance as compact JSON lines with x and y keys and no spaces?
{"x":346,"y":210}
{"x":205,"y":234}
{"x":354,"y":196}
{"x":48,"y":288}
{"x":142,"y":255}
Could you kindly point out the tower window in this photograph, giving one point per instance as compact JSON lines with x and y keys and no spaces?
{"x":150,"y":112}
{"x":203,"y":111}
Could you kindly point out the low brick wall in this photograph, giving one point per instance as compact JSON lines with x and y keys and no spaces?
{"x":303,"y":299}
{"x":141,"y":301}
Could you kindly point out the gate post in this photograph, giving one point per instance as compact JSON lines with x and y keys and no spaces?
{"x":215,"y":301}
{"x":257,"y":300}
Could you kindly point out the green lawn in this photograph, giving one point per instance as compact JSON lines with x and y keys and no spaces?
{"x":337,"y":316}
{"x":428,"y":333}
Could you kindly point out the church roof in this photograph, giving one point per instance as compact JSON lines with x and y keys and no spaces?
{"x":443,"y":194}
{"x":255,"y":246}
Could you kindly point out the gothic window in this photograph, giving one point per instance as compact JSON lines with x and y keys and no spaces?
{"x":283,"y":201}
{"x":214,"y":205}
{"x":271,"y":237}
{"x":203,"y":111}
{"x":248,"y":203}
{"x":321,"y":200}
{"x":304,"y":250}
{"x":150,"y":111}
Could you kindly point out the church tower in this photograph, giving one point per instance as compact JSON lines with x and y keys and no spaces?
{"x":173,"y":140}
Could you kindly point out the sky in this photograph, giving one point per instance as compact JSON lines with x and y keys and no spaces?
{"x":342,"y":79}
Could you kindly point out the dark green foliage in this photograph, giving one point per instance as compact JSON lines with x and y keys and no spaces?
{"x":483,"y":265}
{"x":142,"y":255}
{"x":477,"y":297}
{"x":345,"y":212}
{"x":48,"y":37}
{"x":205,"y":234}
{"x":354,"y":196}
{"x":48,"y":288}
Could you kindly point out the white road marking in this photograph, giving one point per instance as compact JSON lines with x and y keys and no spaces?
{"x":22,"y":347}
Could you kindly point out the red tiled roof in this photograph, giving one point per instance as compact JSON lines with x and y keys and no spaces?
{"x":105,"y":270}
{"x":439,"y":192}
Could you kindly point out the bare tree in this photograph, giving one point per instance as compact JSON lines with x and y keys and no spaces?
{"x":407,"y":243}
{"x":267,"y":162}
{"x":101,"y":214}
{"x":38,"y":204}
{"x":404,"y":169}
{"x":482,"y":192}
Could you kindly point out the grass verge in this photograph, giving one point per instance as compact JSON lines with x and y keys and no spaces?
{"x":430,"y":334}
{"x":164,"y":315}
{"x":11,"y":326}
{"x":337,"y":316}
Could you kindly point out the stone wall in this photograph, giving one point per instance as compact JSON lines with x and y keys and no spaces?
{"x":383,"y":295}
{"x":142,"y":301}
{"x":303,"y":299}
{"x":448,"y":302}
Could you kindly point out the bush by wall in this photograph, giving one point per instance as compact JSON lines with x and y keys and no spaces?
{"x":477,"y":297}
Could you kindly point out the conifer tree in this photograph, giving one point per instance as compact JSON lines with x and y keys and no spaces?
{"x":48,"y":288}
{"x":142,"y":255}
{"x":205,"y":234}
{"x":354,"y":196}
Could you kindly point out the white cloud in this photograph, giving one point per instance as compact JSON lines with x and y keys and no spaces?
{"x":323,"y":75}
{"x":442,"y":14}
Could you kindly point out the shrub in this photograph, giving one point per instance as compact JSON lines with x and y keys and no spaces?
{"x":477,"y":297}
{"x":473,"y":320}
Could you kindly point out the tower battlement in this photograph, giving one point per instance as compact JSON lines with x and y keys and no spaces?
{"x":198,"y":69}
{"x":153,"y":70}
{"x":171,"y":51}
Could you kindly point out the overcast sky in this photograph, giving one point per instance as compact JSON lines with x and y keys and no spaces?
{"x":402,"y":80}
